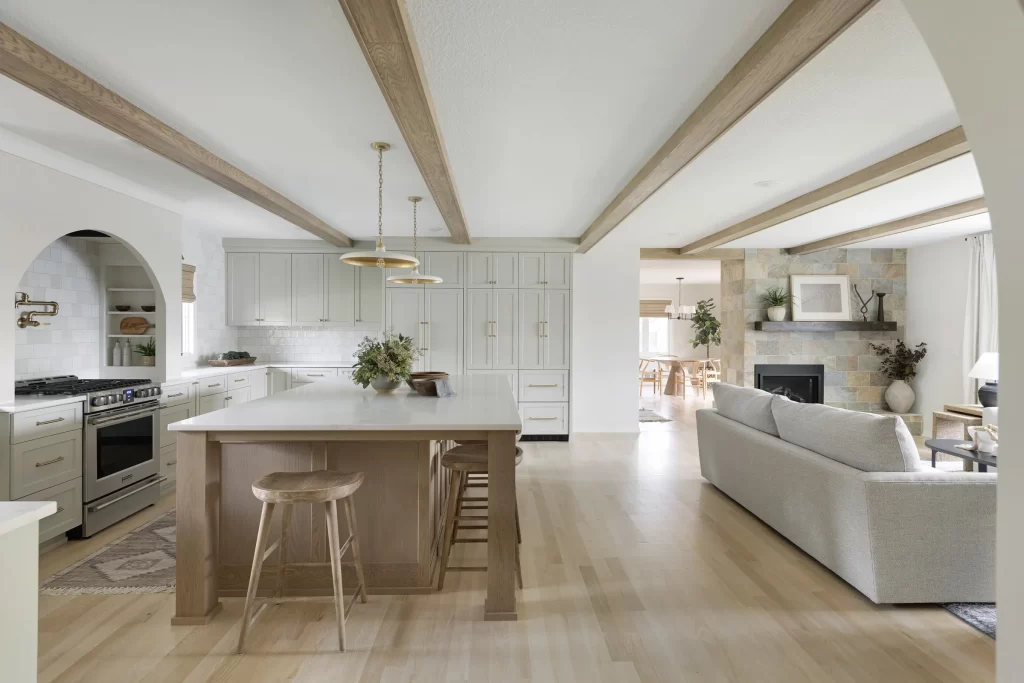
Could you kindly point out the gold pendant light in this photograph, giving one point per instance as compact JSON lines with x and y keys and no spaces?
{"x":415,"y":278}
{"x":380,"y":257}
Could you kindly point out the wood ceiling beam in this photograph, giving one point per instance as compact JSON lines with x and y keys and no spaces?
{"x":803,"y":29}
{"x":383,"y":31}
{"x":673,"y":254}
{"x":35,"y":68}
{"x":942,"y":148}
{"x":971,"y":207}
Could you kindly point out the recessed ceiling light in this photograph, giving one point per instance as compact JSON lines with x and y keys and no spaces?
{"x":766,"y":183}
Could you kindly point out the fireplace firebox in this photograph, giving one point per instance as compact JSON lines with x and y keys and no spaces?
{"x":801,"y":383}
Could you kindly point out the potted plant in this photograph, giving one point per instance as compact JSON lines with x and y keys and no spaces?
{"x":148,"y":352}
{"x":384,"y":363}
{"x":899,"y":363}
{"x":706,"y":327}
{"x":776,"y":299}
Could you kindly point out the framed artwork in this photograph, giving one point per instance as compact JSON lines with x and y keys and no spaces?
{"x":820,"y":297}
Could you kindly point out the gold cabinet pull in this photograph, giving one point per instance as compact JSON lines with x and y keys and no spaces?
{"x":174,"y":395}
{"x":49,"y":462}
{"x":211,"y":386}
{"x":239,"y":380}
{"x":49,"y":422}
{"x":542,"y":386}
{"x":542,"y":419}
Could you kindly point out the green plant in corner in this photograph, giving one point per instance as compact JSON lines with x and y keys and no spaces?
{"x":147,"y":349}
{"x":776,"y":296}
{"x":706,"y":327}
{"x":900,"y":363}
{"x":391,"y":356}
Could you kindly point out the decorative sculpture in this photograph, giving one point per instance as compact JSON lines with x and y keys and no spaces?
{"x":864,"y":304}
{"x":881,"y":308}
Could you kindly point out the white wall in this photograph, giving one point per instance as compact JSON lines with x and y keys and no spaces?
{"x":681,"y":331}
{"x":936,"y":305}
{"x":67,"y":272}
{"x":979,"y":47}
{"x":605,"y":309}
{"x":38,"y":205}
{"x":202,"y":248}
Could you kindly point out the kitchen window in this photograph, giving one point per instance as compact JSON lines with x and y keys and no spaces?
{"x":653,"y":335}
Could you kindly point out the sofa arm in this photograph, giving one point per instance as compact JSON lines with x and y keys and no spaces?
{"x":932,"y":535}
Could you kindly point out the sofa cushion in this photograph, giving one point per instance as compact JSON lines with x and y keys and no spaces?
{"x":751,"y":407}
{"x":865,"y":441}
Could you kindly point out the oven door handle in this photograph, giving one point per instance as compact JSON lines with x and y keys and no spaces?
{"x":122,"y":417}
{"x":97,"y":508}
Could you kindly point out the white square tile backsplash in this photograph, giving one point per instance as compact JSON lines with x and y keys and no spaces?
{"x":309,"y":344}
{"x":66,"y":272}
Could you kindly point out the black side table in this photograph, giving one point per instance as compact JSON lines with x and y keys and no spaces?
{"x":948,"y":446}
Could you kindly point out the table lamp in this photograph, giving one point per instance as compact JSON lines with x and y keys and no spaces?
{"x":987,"y":368}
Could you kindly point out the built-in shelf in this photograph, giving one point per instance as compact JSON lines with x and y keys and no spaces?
{"x":121,"y":336}
{"x":131,"y":312}
{"x":825,"y":326}
{"x":130,"y":289}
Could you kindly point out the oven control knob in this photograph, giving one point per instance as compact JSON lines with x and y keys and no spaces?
{"x":143,"y":393}
{"x":99,"y":400}
{"x":155,"y":391}
{"x":116,"y":398}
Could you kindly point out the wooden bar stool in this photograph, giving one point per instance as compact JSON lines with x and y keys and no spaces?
{"x":294,"y":488}
{"x":468,"y":466}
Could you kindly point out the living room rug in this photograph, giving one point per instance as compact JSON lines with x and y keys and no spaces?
{"x":651,"y":416}
{"x":141,"y":562}
{"x":981,"y":616}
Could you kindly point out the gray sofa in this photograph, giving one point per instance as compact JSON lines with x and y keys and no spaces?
{"x":868,"y":508}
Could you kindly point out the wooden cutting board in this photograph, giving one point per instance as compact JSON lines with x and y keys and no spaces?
{"x":134,"y":325}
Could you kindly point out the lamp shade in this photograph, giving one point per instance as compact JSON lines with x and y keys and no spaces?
{"x":987,"y":367}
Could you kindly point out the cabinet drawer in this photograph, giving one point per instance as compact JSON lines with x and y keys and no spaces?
{"x":238,"y":380}
{"x":313,"y":374}
{"x":69,"y":508}
{"x":177,"y":394}
{"x":213,"y":385}
{"x":170,"y":415}
{"x":168,"y":463}
{"x":544,"y":386}
{"x":35,"y":424}
{"x":545,"y":418}
{"x":42,"y":463}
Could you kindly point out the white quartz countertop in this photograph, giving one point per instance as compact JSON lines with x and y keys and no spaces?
{"x":483,"y":402}
{"x":17,"y":514}
{"x":210,"y":371}
{"x":21,"y":403}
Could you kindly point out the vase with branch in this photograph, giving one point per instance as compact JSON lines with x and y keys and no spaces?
{"x":899,"y":363}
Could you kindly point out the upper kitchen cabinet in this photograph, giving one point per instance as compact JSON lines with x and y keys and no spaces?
{"x":545,"y":271}
{"x":259,"y":289}
{"x":485,"y":270}
{"x":369,"y":297}
{"x":447,"y":265}
{"x":339,"y":291}
{"x":308,"y":289}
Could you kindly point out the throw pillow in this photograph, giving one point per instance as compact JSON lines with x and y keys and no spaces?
{"x":751,"y":407}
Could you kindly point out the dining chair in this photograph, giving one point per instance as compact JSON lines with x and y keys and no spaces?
{"x":713,"y":373}
{"x":649,"y":376}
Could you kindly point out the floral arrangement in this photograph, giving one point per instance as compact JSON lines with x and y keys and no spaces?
{"x":390,"y":356}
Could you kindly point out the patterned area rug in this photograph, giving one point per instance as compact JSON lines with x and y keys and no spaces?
{"x":141,"y":562}
{"x":979,"y":615}
{"x":651,"y":416}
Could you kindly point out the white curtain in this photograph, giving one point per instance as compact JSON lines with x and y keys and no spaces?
{"x":981,"y":325}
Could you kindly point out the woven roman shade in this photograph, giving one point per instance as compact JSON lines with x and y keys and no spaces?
{"x":188,"y":283}
{"x":654,"y":308}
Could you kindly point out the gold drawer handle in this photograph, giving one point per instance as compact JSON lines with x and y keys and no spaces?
{"x":49,"y":422}
{"x":542,"y":386}
{"x":174,"y":395}
{"x":239,"y":380}
{"x":49,"y":462}
{"x":310,"y":374}
{"x":211,"y":386}
{"x":172,"y":463}
{"x":542,"y":418}
{"x":59,"y":510}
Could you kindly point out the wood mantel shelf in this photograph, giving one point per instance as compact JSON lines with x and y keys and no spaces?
{"x":825,"y":326}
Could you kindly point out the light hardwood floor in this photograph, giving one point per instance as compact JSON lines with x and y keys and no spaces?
{"x":635,"y":569}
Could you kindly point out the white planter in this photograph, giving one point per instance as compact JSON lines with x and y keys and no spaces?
{"x":777,"y":313}
{"x":899,"y":397}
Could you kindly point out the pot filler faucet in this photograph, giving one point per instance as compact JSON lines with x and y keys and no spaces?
{"x":27,"y":319}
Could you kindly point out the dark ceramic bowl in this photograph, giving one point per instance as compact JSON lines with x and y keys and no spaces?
{"x":413,"y":376}
{"x":149,"y":309}
{"x":122,"y":308}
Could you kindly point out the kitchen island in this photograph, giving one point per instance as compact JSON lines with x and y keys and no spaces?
{"x":395,"y":439}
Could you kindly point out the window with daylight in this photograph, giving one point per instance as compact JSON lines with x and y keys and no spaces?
{"x":188,"y":328}
{"x":653,"y":335}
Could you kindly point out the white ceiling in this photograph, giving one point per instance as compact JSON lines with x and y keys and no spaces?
{"x":948,"y":183}
{"x":279,"y":89}
{"x":875,"y":91}
{"x":971,"y":225}
{"x":665,"y":272}
{"x":548,"y":108}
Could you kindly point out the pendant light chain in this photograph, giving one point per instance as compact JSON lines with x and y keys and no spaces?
{"x":414,"y":254}
{"x":380,"y":203}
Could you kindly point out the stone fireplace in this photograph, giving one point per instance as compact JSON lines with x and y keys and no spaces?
{"x":852,"y":377}
{"x":801,"y":383}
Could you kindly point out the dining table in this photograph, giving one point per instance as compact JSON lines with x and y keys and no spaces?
{"x":675,"y":365}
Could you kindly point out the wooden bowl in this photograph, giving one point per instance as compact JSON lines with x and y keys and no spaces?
{"x":148,"y":309}
{"x":122,"y":308}
{"x":413,"y":376}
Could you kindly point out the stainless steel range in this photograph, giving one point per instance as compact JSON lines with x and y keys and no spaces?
{"x":121,"y":458}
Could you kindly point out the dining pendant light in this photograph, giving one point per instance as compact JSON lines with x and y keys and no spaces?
{"x":380,"y":257}
{"x":415,"y":278}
